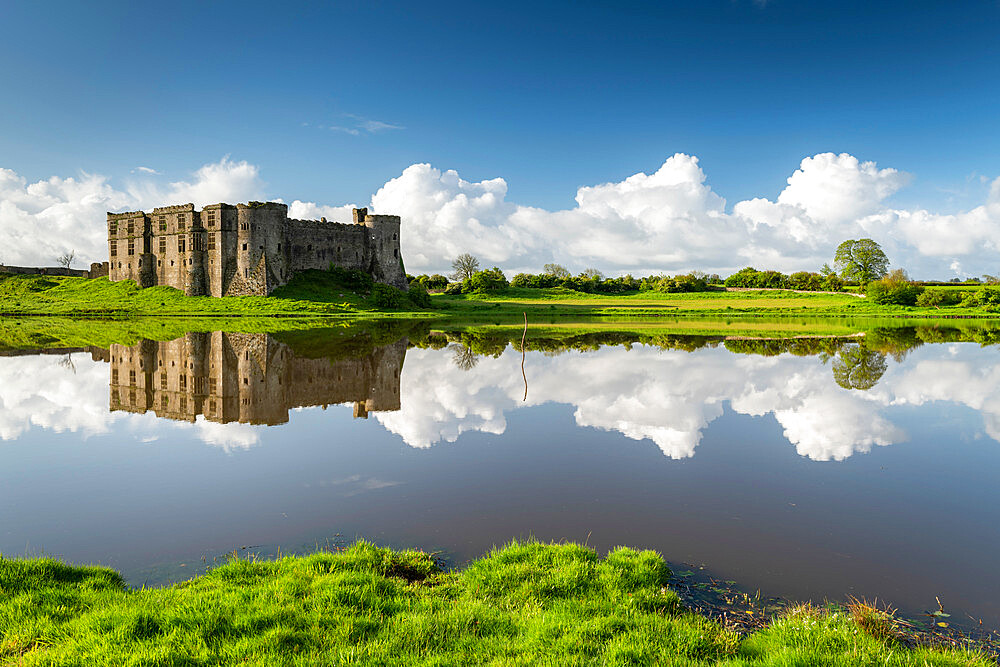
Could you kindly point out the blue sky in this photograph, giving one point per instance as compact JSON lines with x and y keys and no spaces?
{"x":549,"y":97}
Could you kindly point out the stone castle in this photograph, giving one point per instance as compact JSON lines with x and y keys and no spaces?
{"x":247,"y":378}
{"x":226,"y":250}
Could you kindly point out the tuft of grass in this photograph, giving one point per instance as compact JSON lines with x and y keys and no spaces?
{"x":523,"y":603}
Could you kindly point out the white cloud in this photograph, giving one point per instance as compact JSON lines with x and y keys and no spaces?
{"x":40,"y":221}
{"x":670,"y":220}
{"x":146,"y":170}
{"x":361,"y":125}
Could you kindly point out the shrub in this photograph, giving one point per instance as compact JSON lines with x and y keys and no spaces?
{"x":751,"y":277}
{"x":935,"y":298}
{"x":437,"y":281}
{"x":453,"y":288}
{"x":387,"y":296}
{"x":489,"y":280}
{"x":895,"y":288}
{"x":805,"y":280}
{"x":985,"y":296}
{"x":418,"y":294}
{"x":353,"y":279}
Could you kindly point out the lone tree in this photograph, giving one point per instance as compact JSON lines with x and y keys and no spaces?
{"x":557,"y":270}
{"x":861,"y":260}
{"x":66,"y":260}
{"x":464,"y":266}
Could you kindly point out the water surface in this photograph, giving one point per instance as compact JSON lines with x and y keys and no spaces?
{"x":809,"y":469}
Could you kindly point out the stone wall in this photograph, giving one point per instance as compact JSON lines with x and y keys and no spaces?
{"x":45,"y":271}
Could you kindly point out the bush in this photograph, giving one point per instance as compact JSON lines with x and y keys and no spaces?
{"x":453,"y":288}
{"x":387,"y":296}
{"x":418,"y":294}
{"x":894,"y":289}
{"x":935,"y":298}
{"x":489,"y":280}
{"x":805,"y":280}
{"x":751,"y":277}
{"x":437,"y":281}
{"x":353,"y":279}
{"x":985,"y":296}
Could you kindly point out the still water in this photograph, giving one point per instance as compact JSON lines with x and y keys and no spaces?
{"x":807,"y":469}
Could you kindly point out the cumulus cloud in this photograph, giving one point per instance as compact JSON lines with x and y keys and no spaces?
{"x":42,"y":220}
{"x":669,"y":220}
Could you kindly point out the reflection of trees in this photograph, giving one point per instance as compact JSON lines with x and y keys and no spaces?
{"x":463,"y":357}
{"x":67,"y":363}
{"x":857,"y":367}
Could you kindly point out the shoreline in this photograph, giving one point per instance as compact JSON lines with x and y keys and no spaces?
{"x":523,"y":601}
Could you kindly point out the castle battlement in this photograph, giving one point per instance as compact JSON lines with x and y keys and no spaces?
{"x":250,"y":248}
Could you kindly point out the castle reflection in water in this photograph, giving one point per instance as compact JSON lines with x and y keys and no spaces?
{"x":247,"y":378}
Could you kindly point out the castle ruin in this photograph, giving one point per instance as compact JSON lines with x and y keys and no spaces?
{"x":226,"y":250}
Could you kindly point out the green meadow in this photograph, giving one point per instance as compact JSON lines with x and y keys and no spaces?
{"x":526,"y":603}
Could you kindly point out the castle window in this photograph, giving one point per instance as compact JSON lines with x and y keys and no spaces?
{"x":211,"y":241}
{"x":171,"y":262}
{"x":211,"y":407}
{"x":180,"y":222}
{"x":114,"y":376}
{"x":131,"y":247}
{"x":131,"y":376}
{"x":262,"y":247}
{"x":163,"y":223}
{"x":113,"y":227}
{"x":246,"y":273}
{"x":131,"y":227}
{"x":159,"y":262}
{"x":279,"y":247}
{"x":184,"y":404}
{"x":114,"y":248}
{"x":183,"y":382}
{"x":394,"y":236}
{"x":165,"y":402}
{"x":395,"y":253}
{"x":309,"y":247}
{"x":180,"y":244}
{"x":163,"y":245}
{"x":244,"y":246}
{"x":163,"y":381}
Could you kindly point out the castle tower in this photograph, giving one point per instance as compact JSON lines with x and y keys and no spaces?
{"x":382,"y":251}
{"x":259,"y":254}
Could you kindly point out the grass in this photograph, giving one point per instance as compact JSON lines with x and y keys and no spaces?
{"x":562,"y":302}
{"x":526,"y":603}
{"x":320,"y":294}
{"x":308,"y":294}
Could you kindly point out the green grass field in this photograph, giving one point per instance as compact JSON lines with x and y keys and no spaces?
{"x":319,"y":294}
{"x":526,"y":603}
{"x":754,"y":303}
{"x":309,"y":294}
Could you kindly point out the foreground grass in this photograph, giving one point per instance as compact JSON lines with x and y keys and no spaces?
{"x":309,"y":294}
{"x":525,"y":603}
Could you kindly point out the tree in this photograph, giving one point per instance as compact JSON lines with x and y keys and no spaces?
{"x":66,"y":260}
{"x":464,"y":267}
{"x":556,"y":270}
{"x":861,"y":260}
{"x":592,"y":274}
{"x":857,"y":367}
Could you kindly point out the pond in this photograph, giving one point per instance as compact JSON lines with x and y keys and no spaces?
{"x":809,"y":468}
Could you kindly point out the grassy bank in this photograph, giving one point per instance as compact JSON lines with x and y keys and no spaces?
{"x":755,"y":303}
{"x":324,"y":294}
{"x":525,"y":603}
{"x":309,"y":294}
